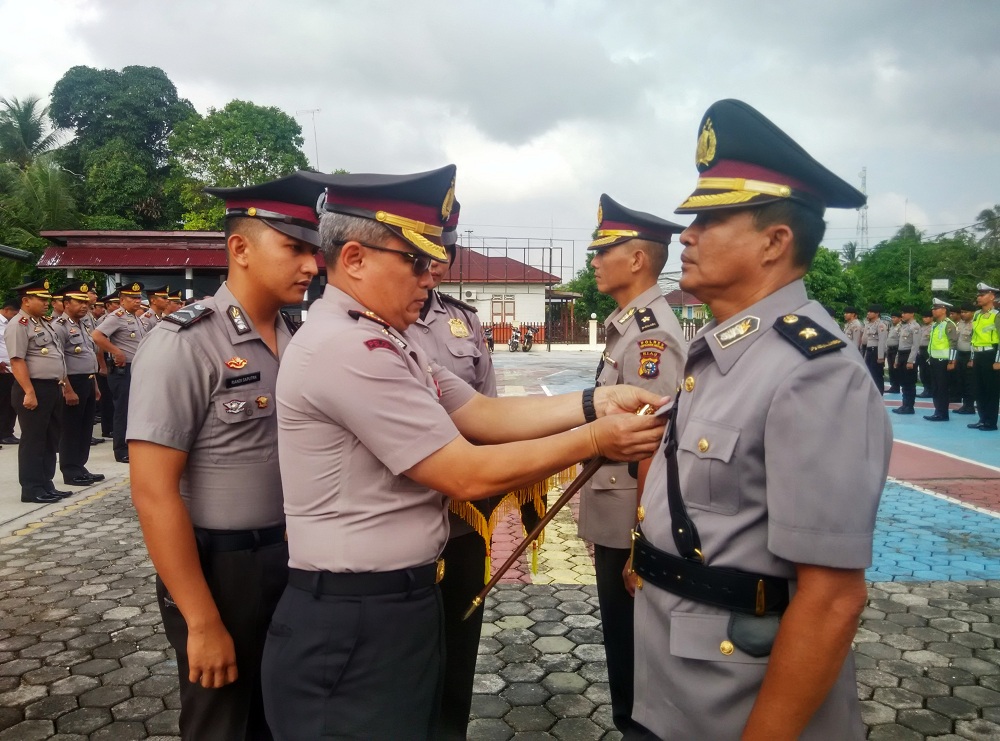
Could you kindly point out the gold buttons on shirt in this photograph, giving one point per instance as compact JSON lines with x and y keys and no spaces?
{"x":727,"y":648}
{"x":77,"y":349}
{"x":703,"y":445}
{"x":689,"y":384}
{"x":44,"y":351}
{"x":640,"y":513}
{"x":613,"y":480}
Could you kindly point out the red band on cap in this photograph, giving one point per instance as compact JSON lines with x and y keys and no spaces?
{"x":416,"y":211}
{"x":293,"y":210}
{"x":644,"y":229}
{"x":736,"y":169}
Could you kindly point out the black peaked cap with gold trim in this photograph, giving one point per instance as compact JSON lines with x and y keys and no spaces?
{"x":37,"y":288}
{"x":414,"y":207}
{"x":287,"y":205}
{"x":745,"y":161}
{"x":76,"y":290}
{"x":616,"y":223}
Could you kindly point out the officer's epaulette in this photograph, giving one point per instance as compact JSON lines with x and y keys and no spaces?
{"x":646,"y":319}
{"x":188,"y":315}
{"x":47,"y":319}
{"x":290,"y":325}
{"x":61,"y":319}
{"x":446,"y":299}
{"x":120,"y":312}
{"x":808,"y":337}
{"x":369,"y":315}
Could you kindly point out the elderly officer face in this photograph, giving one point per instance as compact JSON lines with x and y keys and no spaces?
{"x":131,"y":303}
{"x":276,"y":264}
{"x":76,"y":310}
{"x":722,"y":253}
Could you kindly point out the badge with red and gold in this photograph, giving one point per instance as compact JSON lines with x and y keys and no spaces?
{"x":650,"y":352}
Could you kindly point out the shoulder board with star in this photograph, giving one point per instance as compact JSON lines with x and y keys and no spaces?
{"x":809,"y":338}
{"x":188,"y":315}
{"x":61,"y":320}
{"x":373,"y":317}
{"x":646,"y":319}
{"x":446,"y":299}
{"x":47,"y":319}
{"x":120,"y":312}
{"x":23,"y":320}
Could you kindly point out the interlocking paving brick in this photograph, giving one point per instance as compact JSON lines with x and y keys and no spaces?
{"x":526,"y":693}
{"x":570,"y":706}
{"x":489,"y":706}
{"x":894,"y":732}
{"x":489,"y":729}
{"x":577,"y":729}
{"x":926,"y":722}
{"x":526,"y":718}
{"x":952,"y":707}
{"x":50,"y":708}
{"x":29,"y":730}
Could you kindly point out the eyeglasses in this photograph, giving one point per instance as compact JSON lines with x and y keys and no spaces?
{"x":420,"y":263}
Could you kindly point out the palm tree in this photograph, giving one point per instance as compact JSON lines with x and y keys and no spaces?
{"x":40,"y":197}
{"x":23,"y":137}
{"x":988,"y":224}
{"x":849,"y":254}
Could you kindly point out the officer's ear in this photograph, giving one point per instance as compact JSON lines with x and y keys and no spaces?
{"x":352,"y":258}
{"x":779,"y":245}
{"x":236,"y":249}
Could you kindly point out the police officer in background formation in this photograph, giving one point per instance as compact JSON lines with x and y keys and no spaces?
{"x":942,"y":350}
{"x":964,"y":372}
{"x":36,"y":361}
{"x":986,"y":358}
{"x":906,"y":359}
{"x":853,"y":328}
{"x":7,"y":414}
{"x":204,"y":458}
{"x":874,"y":342}
{"x":373,"y":436}
{"x":174,"y":303}
{"x":892,"y":349}
{"x":106,"y":406}
{"x":645,"y":347}
{"x":159,"y":301}
{"x":82,"y":393}
{"x":119,"y":335}
{"x":735,"y":529}
{"x":923,"y":356}
{"x":451,"y":334}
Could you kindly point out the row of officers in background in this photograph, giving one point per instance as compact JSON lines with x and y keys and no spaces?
{"x":68,"y":354}
{"x":953,"y":351}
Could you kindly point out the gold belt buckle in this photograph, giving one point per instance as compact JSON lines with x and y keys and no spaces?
{"x":439,"y":572}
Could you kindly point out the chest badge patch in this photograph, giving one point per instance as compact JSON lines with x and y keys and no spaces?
{"x":236,"y":363}
{"x":458,"y":328}
{"x":736,"y":332}
{"x":261,"y":402}
{"x":650,"y":353}
{"x":235,"y":406}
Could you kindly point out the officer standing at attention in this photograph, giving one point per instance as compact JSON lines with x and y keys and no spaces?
{"x":204,"y":458}
{"x":906,"y":359}
{"x":891,"y":350}
{"x":36,"y":361}
{"x":119,"y":336}
{"x":159,"y":300}
{"x":373,"y":436}
{"x":986,"y":358}
{"x":875,"y":340}
{"x":923,"y":356}
{"x":942,"y":349}
{"x":646,"y":348}
{"x":106,"y":406}
{"x":7,"y":414}
{"x":80,"y":355}
{"x":963,"y":361}
{"x":736,"y":533}
{"x":853,"y":329}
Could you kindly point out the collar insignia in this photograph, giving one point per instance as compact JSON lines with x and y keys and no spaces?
{"x":736,"y":332}
{"x":627,"y":315}
{"x":236,"y":363}
{"x":235,"y":315}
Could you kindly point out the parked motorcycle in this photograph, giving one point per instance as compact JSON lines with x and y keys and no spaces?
{"x":529,"y":338}
{"x":488,"y":334}
{"x":515,"y":340}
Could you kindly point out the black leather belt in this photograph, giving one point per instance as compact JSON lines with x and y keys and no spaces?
{"x":363,"y":584}
{"x":219,"y":541}
{"x":731,"y":589}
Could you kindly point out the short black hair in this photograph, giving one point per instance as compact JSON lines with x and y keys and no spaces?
{"x":807,"y":227}
{"x":244,"y":225}
{"x":12,"y":303}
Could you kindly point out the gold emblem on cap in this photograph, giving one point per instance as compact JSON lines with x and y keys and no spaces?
{"x":449,"y":201}
{"x":600,"y":214}
{"x":83,"y":288}
{"x":706,"y":144}
{"x":703,"y":445}
{"x":727,"y":648}
{"x":252,"y":211}
{"x":45,"y":285}
{"x":689,"y":384}
{"x":458,"y":328}
{"x":790,"y":319}
{"x":808,"y":333}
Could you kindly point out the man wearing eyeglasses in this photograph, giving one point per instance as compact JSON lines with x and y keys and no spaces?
{"x":373,"y":438}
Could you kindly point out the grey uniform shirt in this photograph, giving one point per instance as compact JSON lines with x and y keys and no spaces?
{"x":217,"y":403}
{"x":876,"y":335}
{"x":892,"y":335}
{"x":79,"y":350}
{"x":645,"y":347}
{"x":452,"y":336}
{"x":766,"y":491}
{"x":125,"y":332}
{"x":964,"y":335}
{"x":359,"y":404}
{"x":909,"y":336}
{"x":925,"y":334}
{"x":149,"y":320}
{"x":855,"y":332}
{"x":35,"y":342}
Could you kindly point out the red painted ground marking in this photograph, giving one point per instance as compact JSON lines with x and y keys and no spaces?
{"x":966,"y":481}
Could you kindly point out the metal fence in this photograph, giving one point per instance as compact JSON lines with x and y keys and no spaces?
{"x":502,"y":332}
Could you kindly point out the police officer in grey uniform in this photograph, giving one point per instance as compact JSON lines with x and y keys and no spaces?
{"x":645,"y":347}
{"x":906,"y":359}
{"x":892,"y":349}
{"x":159,"y":300}
{"x":743,"y":523}
{"x":111,"y":303}
{"x":36,"y":360}
{"x":372,"y":439}
{"x":942,"y":353}
{"x":853,"y":328}
{"x":119,"y":335}
{"x":81,"y":394}
{"x":965,"y":379}
{"x":875,"y":338}
{"x":204,"y":458}
{"x":923,"y":356}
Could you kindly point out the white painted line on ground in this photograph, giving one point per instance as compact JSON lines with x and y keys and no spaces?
{"x":939,"y":495}
{"x":545,"y":389}
{"x":949,"y":455}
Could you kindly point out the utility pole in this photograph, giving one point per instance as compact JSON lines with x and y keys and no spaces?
{"x":861,"y":240}
{"x":312,"y":112}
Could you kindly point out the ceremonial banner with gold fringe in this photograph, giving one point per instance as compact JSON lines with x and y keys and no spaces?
{"x":531,"y":500}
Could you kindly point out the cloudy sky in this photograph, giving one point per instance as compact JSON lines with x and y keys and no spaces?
{"x":544,"y":105}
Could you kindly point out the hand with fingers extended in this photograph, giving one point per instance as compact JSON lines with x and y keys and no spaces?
{"x":624,"y":398}
{"x":627,"y":437}
{"x":211,"y":656}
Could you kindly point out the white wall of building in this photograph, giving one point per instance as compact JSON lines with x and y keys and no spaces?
{"x":528,"y":299}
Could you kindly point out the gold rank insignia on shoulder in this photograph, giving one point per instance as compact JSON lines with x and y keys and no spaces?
{"x":808,"y":337}
{"x":646,"y":319}
{"x":236,"y":362}
{"x":458,"y":328}
{"x":736,"y":332}
{"x":789,"y":319}
{"x":235,"y":315}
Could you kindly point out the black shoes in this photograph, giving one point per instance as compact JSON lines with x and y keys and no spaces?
{"x":975,"y":425}
{"x":84,"y":479}
{"x":903,"y":410}
{"x":40,"y":497}
{"x":988,"y":428}
{"x":96,"y":440}
{"x":935,"y":418}
{"x":11,"y":440}
{"x":122,"y":459}
{"x":960,"y":410}
{"x":61,"y":494}
{"x":893,"y":390}
{"x":924,"y":395}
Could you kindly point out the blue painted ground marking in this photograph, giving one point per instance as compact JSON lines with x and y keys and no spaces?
{"x":919,"y":537}
{"x":949,"y":437}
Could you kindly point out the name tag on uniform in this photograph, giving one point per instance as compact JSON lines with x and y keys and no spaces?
{"x":242,"y":380}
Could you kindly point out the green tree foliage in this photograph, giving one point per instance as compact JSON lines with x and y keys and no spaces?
{"x":241,"y":144}
{"x":828,"y":282}
{"x":118,"y":184}
{"x":592,"y":301}
{"x":25,"y":131}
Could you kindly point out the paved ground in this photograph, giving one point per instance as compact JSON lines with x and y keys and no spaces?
{"x":82,"y":654}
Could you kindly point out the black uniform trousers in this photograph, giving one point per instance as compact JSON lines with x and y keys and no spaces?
{"x":924,"y":371}
{"x":77,"y":428}
{"x":876,"y":368}
{"x":36,"y":455}
{"x":965,"y":379}
{"x":106,"y":405}
{"x":7,"y":414}
{"x":987,"y":385}
{"x":246,"y":586}
{"x":890,"y":359}
{"x":120,"y":381}
{"x":617,"y":614}
{"x":942,"y":391}
{"x":907,"y":379}
{"x":465,"y":566}
{"x":354,"y":667}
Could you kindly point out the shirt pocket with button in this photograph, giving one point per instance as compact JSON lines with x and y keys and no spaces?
{"x":713,"y":480}
{"x":705,"y":637}
{"x":463,"y":358}
{"x":608,"y":516}
{"x":243,"y":426}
